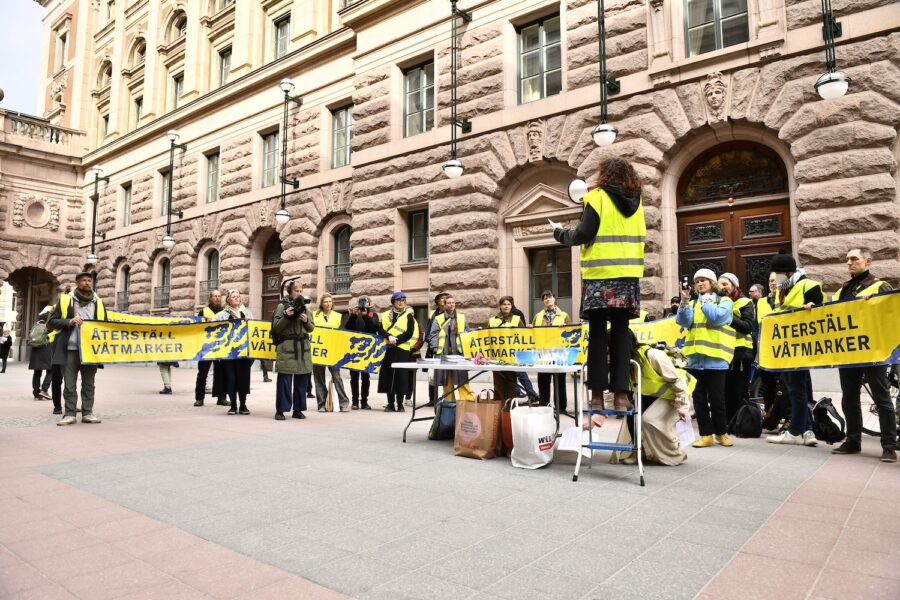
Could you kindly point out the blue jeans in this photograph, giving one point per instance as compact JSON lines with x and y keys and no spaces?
{"x":290,"y":392}
{"x":799,"y":390}
{"x":525,"y":383}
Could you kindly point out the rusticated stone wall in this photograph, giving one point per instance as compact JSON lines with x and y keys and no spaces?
{"x":236,"y":166}
{"x":801,"y":13}
{"x":479,"y":76}
{"x":372,"y":108}
{"x":626,"y":40}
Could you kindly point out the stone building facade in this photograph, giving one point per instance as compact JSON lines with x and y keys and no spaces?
{"x":739,"y":156}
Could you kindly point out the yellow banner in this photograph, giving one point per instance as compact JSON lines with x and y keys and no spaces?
{"x":125,"y":317}
{"x":118,"y":342}
{"x":848,"y":333}
{"x":501,"y":343}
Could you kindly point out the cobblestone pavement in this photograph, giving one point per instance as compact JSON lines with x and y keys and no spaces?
{"x":163,"y":500}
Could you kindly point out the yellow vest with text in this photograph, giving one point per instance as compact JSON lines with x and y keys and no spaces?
{"x":715,"y":341}
{"x":652,"y":383}
{"x":514,"y":321}
{"x":398,"y":328}
{"x":66,"y":299}
{"x":794,"y":298}
{"x":618,"y":248}
{"x":741,"y":340}
{"x":441,"y":319}
{"x":558,"y":319}
{"x":869,"y":291}
{"x":762,"y":308}
{"x":332,"y":321}
{"x":642,"y":316}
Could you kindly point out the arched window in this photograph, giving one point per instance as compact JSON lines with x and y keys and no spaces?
{"x":124,"y":285}
{"x":738,"y":171}
{"x":179,"y":26}
{"x":163,"y":278}
{"x":140,"y":53}
{"x":105,"y":75}
{"x":337,"y":274}
{"x":212,"y":275}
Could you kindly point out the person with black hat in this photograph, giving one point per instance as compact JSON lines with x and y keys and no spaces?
{"x":862,"y":284}
{"x":795,"y":291}
{"x":362,"y":319}
{"x":400,"y":330}
{"x":66,"y":317}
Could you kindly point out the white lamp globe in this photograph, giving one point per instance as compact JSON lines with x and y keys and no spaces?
{"x":832,"y":86}
{"x":453,"y":168}
{"x":286,"y":86}
{"x":168,"y":242}
{"x":92,"y":259}
{"x":604,"y":134}
{"x":172,"y":135}
{"x":282,"y":216}
{"x":98,"y":172}
{"x":577,"y":190}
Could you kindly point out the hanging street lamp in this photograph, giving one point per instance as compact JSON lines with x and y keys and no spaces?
{"x":168,"y":241}
{"x":453,"y":168}
{"x":833,"y":84}
{"x":98,"y":177}
{"x":604,"y":134}
{"x":282,"y":216}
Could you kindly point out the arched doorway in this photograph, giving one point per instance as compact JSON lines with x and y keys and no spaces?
{"x":35,"y":288}
{"x":271,"y":277}
{"x":733,"y":212}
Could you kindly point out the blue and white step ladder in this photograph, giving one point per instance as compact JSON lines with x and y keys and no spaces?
{"x":634,"y":446}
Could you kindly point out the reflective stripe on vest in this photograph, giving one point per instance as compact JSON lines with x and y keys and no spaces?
{"x":742,"y":340}
{"x":398,"y":328}
{"x":617,"y":250}
{"x":515,"y":321}
{"x":714,"y":341}
{"x":652,"y":383}
{"x":442,"y":333}
{"x":332,"y":321}
{"x":869,"y":291}
{"x":66,"y":299}
{"x":762,"y":308}
{"x":642,"y":316}
{"x":558,"y":319}
{"x":208,"y":313}
{"x":794,"y":298}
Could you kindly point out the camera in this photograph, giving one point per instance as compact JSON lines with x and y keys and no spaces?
{"x":363,"y":303}
{"x":299,"y":305}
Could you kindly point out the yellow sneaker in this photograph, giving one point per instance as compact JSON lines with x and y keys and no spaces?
{"x":705,"y":441}
{"x":724,"y":440}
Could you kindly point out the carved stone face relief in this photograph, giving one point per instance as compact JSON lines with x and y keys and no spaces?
{"x":336,"y":202}
{"x":534,"y":135}
{"x":715,"y":91}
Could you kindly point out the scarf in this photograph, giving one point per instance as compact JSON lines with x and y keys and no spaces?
{"x":82,"y":299}
{"x":854,"y":281}
{"x":550,"y":314}
{"x":735,"y":294}
{"x":785,"y":286}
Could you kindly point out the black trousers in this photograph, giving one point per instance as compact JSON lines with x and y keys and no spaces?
{"x":36,"y":385}
{"x":237,"y":379}
{"x":355,"y":377}
{"x":202,"y":373}
{"x":290,"y":392}
{"x":737,"y":386}
{"x":609,"y":353}
{"x":876,"y":377}
{"x":559,"y":389}
{"x":709,"y":401}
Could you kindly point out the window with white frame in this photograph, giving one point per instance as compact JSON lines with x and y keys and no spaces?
{"x":418,"y":99}
{"x":161,"y":290}
{"x":212,"y":275}
{"x":105,"y":75}
{"x":714,"y":24}
{"x":337,"y":274}
{"x":104,"y":125}
{"x":179,"y":27}
{"x":224,"y":65}
{"x":225,"y":3}
{"x":137,"y":110}
{"x":282,"y":27}
{"x":126,"y":204}
{"x":540,"y":60}
{"x":62,"y":49}
{"x":165,"y":176}
{"x":270,"y":158}
{"x":341,"y":135}
{"x":177,"y":89}
{"x":418,"y":236}
{"x":212,"y":177}
{"x":140,"y":53}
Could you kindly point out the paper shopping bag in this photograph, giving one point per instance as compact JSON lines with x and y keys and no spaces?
{"x":477,"y":429}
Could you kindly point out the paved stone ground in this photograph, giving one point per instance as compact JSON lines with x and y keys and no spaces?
{"x":163,"y":500}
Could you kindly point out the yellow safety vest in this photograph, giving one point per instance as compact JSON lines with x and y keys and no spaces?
{"x":794,"y":298}
{"x":558,"y":319}
{"x":652,"y":383}
{"x":66,"y":299}
{"x":208,"y":313}
{"x":642,"y":316}
{"x":515,"y":321}
{"x":398,"y":328}
{"x":442,"y":335}
{"x":332,"y":321}
{"x":714,"y":341}
{"x":618,"y":248}
{"x":51,"y":335}
{"x":869,"y":291}
{"x":762,"y":308}
{"x":741,"y":340}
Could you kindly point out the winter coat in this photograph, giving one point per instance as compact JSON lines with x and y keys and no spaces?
{"x":292,"y":355}
{"x":41,"y":358}
{"x":5,"y":345}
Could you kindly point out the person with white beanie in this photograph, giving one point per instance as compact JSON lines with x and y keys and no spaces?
{"x":743,"y":319}
{"x":709,"y":348}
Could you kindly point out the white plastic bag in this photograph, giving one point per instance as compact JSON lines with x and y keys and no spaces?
{"x":534,"y":434}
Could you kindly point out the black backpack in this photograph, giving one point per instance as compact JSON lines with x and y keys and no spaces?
{"x":824,"y":426}
{"x":747,"y":421}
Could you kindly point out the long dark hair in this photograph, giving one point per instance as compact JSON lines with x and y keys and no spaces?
{"x":620,"y":173}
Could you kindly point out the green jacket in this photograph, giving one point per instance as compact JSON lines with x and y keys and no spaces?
{"x":292,"y":355}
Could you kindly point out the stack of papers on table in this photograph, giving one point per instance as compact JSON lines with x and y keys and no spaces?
{"x":454,"y":359}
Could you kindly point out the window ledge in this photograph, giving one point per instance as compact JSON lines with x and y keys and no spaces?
{"x":662,"y":72}
{"x":412,"y":266}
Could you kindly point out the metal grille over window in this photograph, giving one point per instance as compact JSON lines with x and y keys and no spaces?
{"x":735,"y":173}
{"x":418,"y":85}
{"x":540,"y":60}
{"x":337,"y":274}
{"x":161,"y":292}
{"x":705,"y":233}
{"x":766,"y":226}
{"x":756,"y":270}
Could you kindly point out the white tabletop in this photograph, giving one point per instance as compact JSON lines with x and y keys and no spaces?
{"x":470,"y":366}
